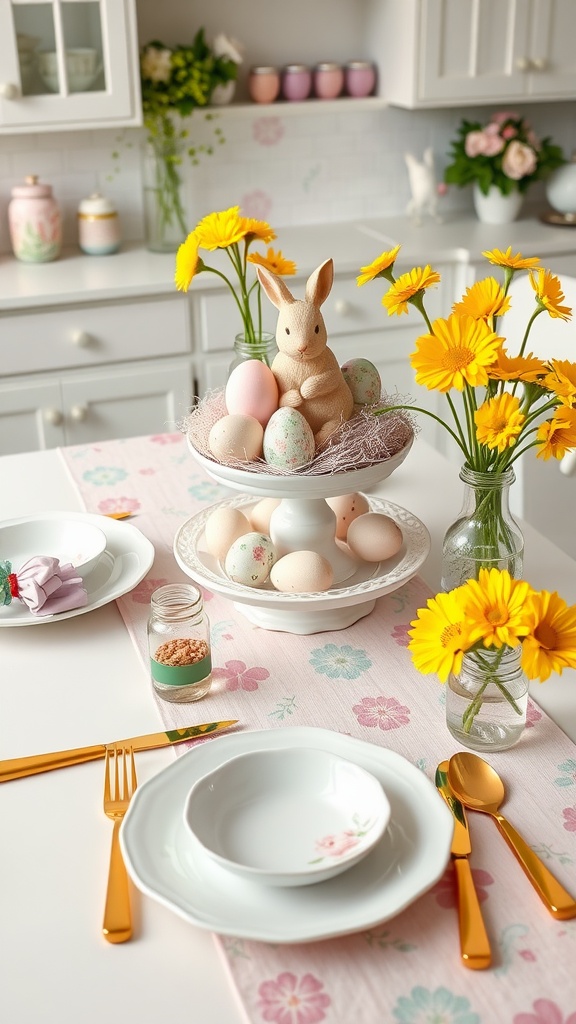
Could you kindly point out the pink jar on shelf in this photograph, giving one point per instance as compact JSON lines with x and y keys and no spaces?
{"x":264,"y":83}
{"x":360,"y":78}
{"x":34,"y":222}
{"x":98,"y":226}
{"x":296,"y":82}
{"x":328,"y":80}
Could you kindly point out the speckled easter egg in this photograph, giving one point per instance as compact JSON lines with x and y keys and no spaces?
{"x":252,"y":390}
{"x":250,"y":559}
{"x":259,"y":515}
{"x":363,"y":379}
{"x":222,"y":528}
{"x":236,"y":437}
{"x":302,"y":572}
{"x":288,"y":440}
{"x":346,"y":508}
{"x":374,"y":537}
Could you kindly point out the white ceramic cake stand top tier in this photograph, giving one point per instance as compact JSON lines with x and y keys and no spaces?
{"x":303,"y":521}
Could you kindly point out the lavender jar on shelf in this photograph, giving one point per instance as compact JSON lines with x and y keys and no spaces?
{"x":360,"y":78}
{"x":328,"y":80}
{"x":296,"y":82}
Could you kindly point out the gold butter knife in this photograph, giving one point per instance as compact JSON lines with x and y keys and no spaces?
{"x":18,"y":767}
{"x":474,"y":943}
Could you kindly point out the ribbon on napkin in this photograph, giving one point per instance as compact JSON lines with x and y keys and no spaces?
{"x":44,"y":585}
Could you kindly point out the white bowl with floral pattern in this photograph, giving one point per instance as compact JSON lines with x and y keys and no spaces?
{"x":287,"y":817}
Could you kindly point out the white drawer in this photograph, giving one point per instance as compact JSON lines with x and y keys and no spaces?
{"x":82,"y":335}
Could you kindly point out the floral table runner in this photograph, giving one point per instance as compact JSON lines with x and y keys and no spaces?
{"x":361,"y":682}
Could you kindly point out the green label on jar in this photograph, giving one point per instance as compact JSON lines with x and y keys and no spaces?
{"x":181,"y":675}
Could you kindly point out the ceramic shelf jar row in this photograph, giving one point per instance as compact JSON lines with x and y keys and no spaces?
{"x":297,"y":82}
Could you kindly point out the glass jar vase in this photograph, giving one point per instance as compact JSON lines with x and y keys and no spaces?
{"x":164,"y":209}
{"x":486,"y":703}
{"x":179,"y":643}
{"x":263,"y":348}
{"x":485,"y":534}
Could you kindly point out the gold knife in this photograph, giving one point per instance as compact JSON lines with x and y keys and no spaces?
{"x":18,"y":767}
{"x":474,"y":944}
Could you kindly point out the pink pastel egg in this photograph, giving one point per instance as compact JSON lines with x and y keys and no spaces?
{"x":252,"y":390}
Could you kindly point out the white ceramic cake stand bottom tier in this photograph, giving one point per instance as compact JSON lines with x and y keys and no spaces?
{"x":306,"y":613}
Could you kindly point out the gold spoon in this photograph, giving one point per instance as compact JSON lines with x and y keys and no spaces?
{"x":480,"y":788}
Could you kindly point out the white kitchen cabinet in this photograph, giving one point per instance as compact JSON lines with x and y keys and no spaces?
{"x":469,"y":52}
{"x":68,"y":64}
{"x":83,"y":408}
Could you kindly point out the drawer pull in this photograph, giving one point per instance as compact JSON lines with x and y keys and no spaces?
{"x":82,"y":339}
{"x":540,"y":63}
{"x":522,"y":64}
{"x":53,"y":416}
{"x":78,"y":413}
{"x":342,"y":307}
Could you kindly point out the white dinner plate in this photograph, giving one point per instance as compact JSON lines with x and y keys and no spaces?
{"x":126,"y":560}
{"x":410,"y":858}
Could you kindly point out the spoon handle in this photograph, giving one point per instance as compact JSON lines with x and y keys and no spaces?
{"x":474,"y":943}
{"x":559,"y":902}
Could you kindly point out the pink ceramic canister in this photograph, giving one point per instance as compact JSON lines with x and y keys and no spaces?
{"x":296,"y":82}
{"x":328,"y":80}
{"x":264,"y":83}
{"x":98,"y":226}
{"x":34,"y":222}
{"x":360,"y":78}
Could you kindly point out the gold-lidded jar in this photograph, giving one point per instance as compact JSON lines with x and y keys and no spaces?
{"x":179,"y":643}
{"x":98,"y":226}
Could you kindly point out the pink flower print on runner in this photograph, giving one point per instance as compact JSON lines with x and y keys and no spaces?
{"x":533,"y":714}
{"x":123,"y":504}
{"x":382,"y":712}
{"x":569,"y":815}
{"x":292,"y":1000}
{"x":400,"y":634}
{"x":239,"y":677}
{"x":545,"y":1012}
{"x":445,"y":890}
{"x":167,"y":438}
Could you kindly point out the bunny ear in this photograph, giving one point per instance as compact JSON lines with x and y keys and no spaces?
{"x":275,"y":288}
{"x":319,"y":283}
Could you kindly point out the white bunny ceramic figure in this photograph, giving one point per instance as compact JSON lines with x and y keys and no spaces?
{"x":306,"y":370}
{"x":422,"y":177}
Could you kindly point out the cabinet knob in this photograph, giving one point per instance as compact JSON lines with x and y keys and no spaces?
{"x":82,"y":339}
{"x":522,"y":64}
{"x":78,"y":413}
{"x":53,"y":416}
{"x":342,"y":307}
{"x":540,"y":63}
{"x":9,"y":90}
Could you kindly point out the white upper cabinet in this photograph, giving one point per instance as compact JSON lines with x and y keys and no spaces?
{"x":468,"y":52}
{"x":68,"y":64}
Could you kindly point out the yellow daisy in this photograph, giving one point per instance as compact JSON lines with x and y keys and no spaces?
{"x":273,"y":261}
{"x":558,"y":435}
{"x":483,"y":300}
{"x":506,"y":259}
{"x":549,"y":294}
{"x":188,"y":263}
{"x":220,"y":230}
{"x":525,"y":368}
{"x":562,"y":380}
{"x":440,"y":637}
{"x":258,"y":230}
{"x":383,"y":262}
{"x":494,"y":606}
{"x":499,"y":421}
{"x":456,"y":354}
{"x":550,"y":645}
{"x":407,"y":286}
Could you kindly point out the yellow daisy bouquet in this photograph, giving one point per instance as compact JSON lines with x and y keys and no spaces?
{"x":486,"y":618}
{"x":229,"y":231}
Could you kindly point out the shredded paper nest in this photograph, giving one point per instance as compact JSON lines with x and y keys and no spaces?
{"x":363,"y":440}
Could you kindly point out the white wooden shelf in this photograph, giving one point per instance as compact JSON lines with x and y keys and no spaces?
{"x":283,"y":108}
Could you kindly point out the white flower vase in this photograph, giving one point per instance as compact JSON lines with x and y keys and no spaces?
{"x":496,"y":208}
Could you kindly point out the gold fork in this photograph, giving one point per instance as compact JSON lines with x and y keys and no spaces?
{"x":117,"y":926}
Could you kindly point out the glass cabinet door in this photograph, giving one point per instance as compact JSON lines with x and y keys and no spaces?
{"x":68,"y":62}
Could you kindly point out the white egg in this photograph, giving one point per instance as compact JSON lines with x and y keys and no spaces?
{"x":288,"y":440}
{"x":236,"y":437}
{"x":260,"y":514}
{"x":250,"y":559}
{"x":363,"y":379}
{"x":374,"y":537}
{"x":346,"y":508}
{"x":222,"y":528}
{"x":302,"y":572}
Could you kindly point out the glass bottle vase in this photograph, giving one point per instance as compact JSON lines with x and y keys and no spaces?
{"x":486,"y":703}
{"x":485,"y":534}
{"x":164,"y":210}
{"x":263,"y":348}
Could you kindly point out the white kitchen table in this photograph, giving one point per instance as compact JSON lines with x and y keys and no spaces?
{"x":79,"y":682}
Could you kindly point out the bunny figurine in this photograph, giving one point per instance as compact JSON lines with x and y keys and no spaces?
{"x":306,"y":370}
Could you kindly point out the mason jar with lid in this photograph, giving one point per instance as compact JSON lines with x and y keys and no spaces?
{"x":360,"y":78}
{"x":296,"y":82}
{"x":98,"y":226}
{"x":264,"y":83}
{"x":179,"y":643}
{"x":328,"y":80}
{"x":34,"y":222}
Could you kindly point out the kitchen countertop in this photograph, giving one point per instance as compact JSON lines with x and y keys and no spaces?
{"x":136,"y":272}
